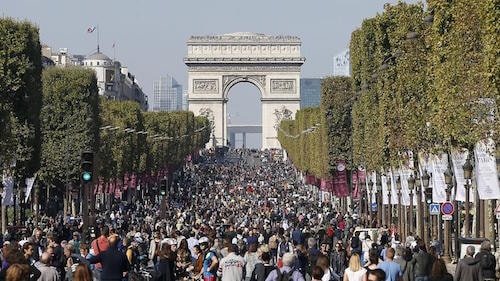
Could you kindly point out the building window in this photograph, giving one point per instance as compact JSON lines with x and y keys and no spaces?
{"x":97,"y":63}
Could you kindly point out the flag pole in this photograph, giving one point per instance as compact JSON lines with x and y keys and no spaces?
{"x":98,"y":39}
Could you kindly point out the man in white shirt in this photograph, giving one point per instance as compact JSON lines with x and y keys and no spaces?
{"x":231,"y":268}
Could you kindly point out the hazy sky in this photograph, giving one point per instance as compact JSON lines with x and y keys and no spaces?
{"x":150,"y":35}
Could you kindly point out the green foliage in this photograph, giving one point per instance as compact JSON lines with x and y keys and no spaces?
{"x":120,"y":151}
{"x":490,"y":13}
{"x":20,"y":96}
{"x":336,"y":104}
{"x":304,"y":140}
{"x":70,"y":122}
{"x":457,"y":40}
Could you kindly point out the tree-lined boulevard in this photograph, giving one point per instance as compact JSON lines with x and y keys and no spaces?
{"x":404,"y":148}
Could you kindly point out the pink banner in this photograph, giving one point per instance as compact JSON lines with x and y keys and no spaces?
{"x":323,"y":185}
{"x":355,"y":187}
{"x":340,"y":180}
{"x":133,"y":181}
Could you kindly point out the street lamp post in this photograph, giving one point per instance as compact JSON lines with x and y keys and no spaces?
{"x":425,"y":181}
{"x":448,"y":179}
{"x":420,"y":224}
{"x":400,"y":221}
{"x":379,"y":200}
{"x":370,"y":184}
{"x":389,"y":207}
{"x":467,"y":176}
{"x":411,"y":186}
{"x":362,"y":203}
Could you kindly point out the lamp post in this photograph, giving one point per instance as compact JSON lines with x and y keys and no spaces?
{"x":370,"y":185}
{"x":411,"y":186}
{"x":448,"y":179}
{"x":379,"y":200}
{"x":425,"y":182}
{"x":362,"y":203}
{"x":420,"y":221}
{"x":467,"y":176}
{"x":400,"y":221}
{"x":389,"y":207}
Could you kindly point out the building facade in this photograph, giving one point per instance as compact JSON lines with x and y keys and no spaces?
{"x":167,"y":95}
{"x":341,"y":64}
{"x":310,"y":92}
{"x":113,"y":80}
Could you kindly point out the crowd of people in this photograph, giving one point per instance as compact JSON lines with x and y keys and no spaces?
{"x":230,"y":218}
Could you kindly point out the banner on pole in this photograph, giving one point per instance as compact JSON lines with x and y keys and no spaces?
{"x":29,"y":185}
{"x":458,"y":157}
{"x":486,"y":170}
{"x":439,"y":165}
{"x":8,"y":189}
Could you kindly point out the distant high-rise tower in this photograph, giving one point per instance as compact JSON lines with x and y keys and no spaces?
{"x":310,"y":92}
{"x":341,"y":65}
{"x":167,"y":95}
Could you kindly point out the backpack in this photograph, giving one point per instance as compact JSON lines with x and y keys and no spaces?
{"x":285,"y":276}
{"x":267,"y":270}
{"x":354,"y":242}
{"x":487,"y":261}
{"x":284,"y":247}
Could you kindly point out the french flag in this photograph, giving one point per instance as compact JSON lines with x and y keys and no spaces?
{"x":91,"y":29}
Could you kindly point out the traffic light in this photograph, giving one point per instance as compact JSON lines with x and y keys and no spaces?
{"x":87,"y":166}
{"x":428,"y":195}
{"x":163,"y":187}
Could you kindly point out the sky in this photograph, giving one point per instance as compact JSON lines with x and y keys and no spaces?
{"x":150,"y":35}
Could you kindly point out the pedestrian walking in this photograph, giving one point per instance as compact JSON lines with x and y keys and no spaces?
{"x":468,"y":267}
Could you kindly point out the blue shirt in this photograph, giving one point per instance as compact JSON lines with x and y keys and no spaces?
{"x":206,"y":264}
{"x":392,"y":270}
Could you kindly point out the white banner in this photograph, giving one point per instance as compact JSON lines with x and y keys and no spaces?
{"x":424,"y":164}
{"x":458,"y":157}
{"x":394,"y":187}
{"x":371,"y":177}
{"x":385,"y":191}
{"x":405,"y":191}
{"x":8,"y":190}
{"x":486,"y":170}
{"x":439,"y":166}
{"x":29,"y":185}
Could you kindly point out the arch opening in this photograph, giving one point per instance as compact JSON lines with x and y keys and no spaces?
{"x":244,"y":115}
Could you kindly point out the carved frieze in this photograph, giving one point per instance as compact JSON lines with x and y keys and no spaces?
{"x":205,"y":86}
{"x":282,"y":86}
{"x":245,"y":68}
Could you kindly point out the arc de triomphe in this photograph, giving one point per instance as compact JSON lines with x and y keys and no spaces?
{"x":271,"y":63}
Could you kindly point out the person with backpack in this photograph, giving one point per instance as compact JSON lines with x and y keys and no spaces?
{"x":487,"y":261}
{"x":287,"y":272}
{"x":284,"y":246}
{"x":263,"y":268}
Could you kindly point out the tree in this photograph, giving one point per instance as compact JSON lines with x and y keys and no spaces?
{"x":20,"y":96}
{"x":70,"y":122}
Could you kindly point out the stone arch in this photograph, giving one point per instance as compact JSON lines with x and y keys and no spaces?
{"x":217,"y":63}
{"x":229,"y":81}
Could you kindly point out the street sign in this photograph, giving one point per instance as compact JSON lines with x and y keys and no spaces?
{"x":447,"y":217}
{"x":374,"y":207}
{"x":434,"y":209}
{"x":447,"y":208}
